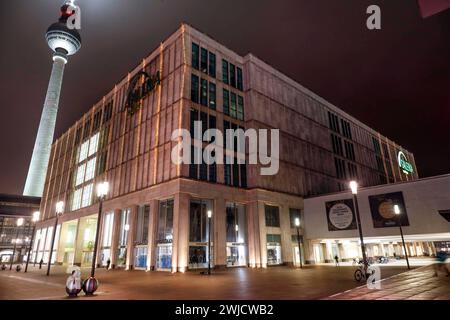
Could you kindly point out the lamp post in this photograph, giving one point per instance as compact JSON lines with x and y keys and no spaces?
{"x":90,"y":285}
{"x":209,"y":241}
{"x":354,"y":188}
{"x":397,"y":213}
{"x":19,"y":223}
{"x":34,"y":220}
{"x":59,"y":212}
{"x":297,"y":226}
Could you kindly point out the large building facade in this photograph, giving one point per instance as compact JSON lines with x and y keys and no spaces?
{"x":155,"y":214}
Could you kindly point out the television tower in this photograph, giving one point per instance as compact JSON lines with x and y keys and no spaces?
{"x":64,"y":42}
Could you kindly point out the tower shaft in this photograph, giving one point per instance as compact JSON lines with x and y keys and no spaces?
{"x":34,"y":185}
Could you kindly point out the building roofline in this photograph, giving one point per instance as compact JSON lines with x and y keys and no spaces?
{"x":443,"y":176}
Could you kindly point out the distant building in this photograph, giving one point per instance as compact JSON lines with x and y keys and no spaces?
{"x":330,"y":224}
{"x":155,"y":215}
{"x":13,"y":207}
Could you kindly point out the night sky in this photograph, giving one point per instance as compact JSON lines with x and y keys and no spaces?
{"x":396,"y":80}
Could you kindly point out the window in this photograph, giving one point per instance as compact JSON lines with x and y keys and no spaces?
{"x":193,"y":167}
{"x":204,"y":60}
{"x":165,"y":222}
{"x":233,"y":110}
{"x":97,"y":119}
{"x":232,"y":75}
{"x":80,"y":174}
{"x":227,"y":171}
{"x":123,"y":234}
{"x":340,"y":168}
{"x":141,"y":236}
{"x":101,"y":167}
{"x":198,"y":220}
{"x":337,"y":144}
{"x":239,"y":79}
{"x":108,"y":223}
{"x":272,"y":216}
{"x":87,"y":195}
{"x":346,"y":129}
{"x":352,"y":171}
{"x":235,"y":173}
{"x":78,"y":135}
{"x":349,"y":151}
{"x":226,"y":102}
{"x":194,"y":88}
{"x":195,"y":56}
{"x":243,"y":175}
{"x":76,"y":200}
{"x":235,"y":222}
{"x":380,"y":165}
{"x":294,"y":213}
{"x":212,"y":95}
{"x":93,"y":144}
{"x":212,"y":65}
{"x":108,"y":111}
{"x":333,"y":122}
{"x":376,"y":145}
{"x":225,"y":75}
{"x":203,"y":169}
{"x":90,"y":169}
{"x":204,"y":120}
{"x":240,"y":109}
{"x":194,"y":117}
{"x":204,"y":92}
{"x":83,"y":151}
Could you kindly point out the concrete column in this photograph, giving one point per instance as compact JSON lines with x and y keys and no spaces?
{"x":220,"y":237}
{"x":286,"y":239}
{"x":152,"y":223}
{"x":183,"y":232}
{"x":262,"y":234}
{"x":115,"y":238}
{"x":180,"y":233}
{"x":34,"y":185}
{"x":251,"y":234}
{"x":132,"y":221}
{"x":79,"y":240}
{"x":308,"y":246}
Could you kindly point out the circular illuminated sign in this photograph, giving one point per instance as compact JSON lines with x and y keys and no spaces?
{"x":341,"y":216}
{"x":386,"y":210}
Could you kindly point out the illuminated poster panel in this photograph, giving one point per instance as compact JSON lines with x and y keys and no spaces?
{"x":382,"y":209}
{"x":340,"y":215}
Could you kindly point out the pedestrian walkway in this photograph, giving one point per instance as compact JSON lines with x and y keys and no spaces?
{"x":418,"y":284}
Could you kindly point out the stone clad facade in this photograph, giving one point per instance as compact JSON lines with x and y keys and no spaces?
{"x":155,"y":214}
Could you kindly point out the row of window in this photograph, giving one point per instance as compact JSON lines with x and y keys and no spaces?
{"x":203,"y":60}
{"x":232,"y":75}
{"x":333,"y":122}
{"x":84,"y":134}
{"x":203,"y":92}
{"x":345,"y":172}
{"x":272,"y":216}
{"x":233,"y":105}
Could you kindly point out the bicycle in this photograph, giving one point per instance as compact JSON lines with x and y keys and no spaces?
{"x":361,"y":272}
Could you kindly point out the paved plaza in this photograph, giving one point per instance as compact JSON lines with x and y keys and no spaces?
{"x":311,"y":282}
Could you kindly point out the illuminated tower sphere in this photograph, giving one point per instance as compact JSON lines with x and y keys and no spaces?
{"x":64,"y":42}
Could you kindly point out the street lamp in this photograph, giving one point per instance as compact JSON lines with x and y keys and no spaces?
{"x":397,"y":213}
{"x":19,"y":223}
{"x":91,"y":284}
{"x":354,"y":188}
{"x":297,"y":225}
{"x":34,"y":220}
{"x":59,"y":212}
{"x":209,"y":241}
